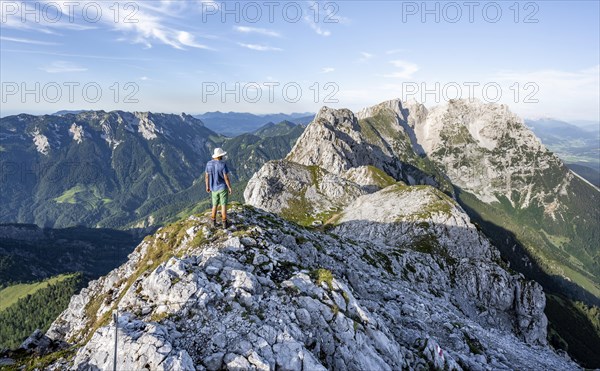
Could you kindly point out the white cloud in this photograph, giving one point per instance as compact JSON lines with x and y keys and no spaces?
{"x":63,"y":67}
{"x":395,"y":51}
{"x":26,"y":41}
{"x":407,"y":69}
{"x":170,"y":8}
{"x":144,"y":22}
{"x":261,"y":31}
{"x":185,"y":38}
{"x":327,"y":69}
{"x":316,"y":27}
{"x":261,"y":48}
{"x":45,"y":22}
{"x":151,"y":28}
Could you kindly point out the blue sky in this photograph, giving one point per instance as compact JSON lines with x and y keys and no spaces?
{"x":541,"y":58}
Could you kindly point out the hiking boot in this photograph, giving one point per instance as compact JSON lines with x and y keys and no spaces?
{"x":224,"y":223}
{"x":214,"y":223}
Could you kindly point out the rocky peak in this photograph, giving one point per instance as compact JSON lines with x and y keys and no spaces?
{"x":338,"y":141}
{"x":483,"y":148}
{"x":330,"y":142}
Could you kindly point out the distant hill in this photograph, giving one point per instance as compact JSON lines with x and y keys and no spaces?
{"x":67,"y":112}
{"x":556,"y":130}
{"x":272,"y":130}
{"x":236,"y":123}
{"x":100,"y":169}
{"x":588,"y":125}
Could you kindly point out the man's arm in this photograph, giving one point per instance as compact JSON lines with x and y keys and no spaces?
{"x":227,"y":182}
{"x":206,"y":180}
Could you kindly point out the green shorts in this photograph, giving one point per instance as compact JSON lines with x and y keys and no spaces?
{"x":220,"y":197}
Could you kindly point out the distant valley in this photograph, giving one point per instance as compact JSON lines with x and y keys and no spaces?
{"x":577,"y":145}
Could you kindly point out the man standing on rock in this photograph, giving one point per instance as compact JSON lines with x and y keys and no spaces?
{"x":216,"y":177}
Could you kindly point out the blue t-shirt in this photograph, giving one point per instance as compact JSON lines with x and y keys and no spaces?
{"x":216,"y":171}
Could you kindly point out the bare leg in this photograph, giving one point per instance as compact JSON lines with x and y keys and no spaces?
{"x":214,"y":212}
{"x":224,"y":212}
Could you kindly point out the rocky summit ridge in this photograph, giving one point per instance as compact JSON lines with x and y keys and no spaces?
{"x":270,"y":294}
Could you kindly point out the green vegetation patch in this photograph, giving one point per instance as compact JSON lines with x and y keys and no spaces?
{"x":381,"y":178}
{"x":11,"y":294}
{"x":299,"y":209}
{"x":34,"y":363}
{"x":36,"y":306}
{"x":379,"y":259}
{"x":323,"y":275}
{"x":429,"y":244}
{"x":375,"y":127}
{"x":89,"y":196}
{"x":564,"y":253}
{"x":439,"y":202}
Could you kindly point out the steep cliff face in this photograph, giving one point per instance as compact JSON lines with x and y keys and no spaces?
{"x":273,"y":295}
{"x":487,"y":150}
{"x":422,"y":218}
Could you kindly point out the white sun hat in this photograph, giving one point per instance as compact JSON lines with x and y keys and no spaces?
{"x":218,"y":153}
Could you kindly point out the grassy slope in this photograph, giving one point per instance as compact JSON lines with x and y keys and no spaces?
{"x":11,"y":294}
{"x":89,"y":196}
{"x":34,"y":306}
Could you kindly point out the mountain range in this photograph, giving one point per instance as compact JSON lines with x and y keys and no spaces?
{"x":395,"y":237}
{"x":235,"y":123}
{"x":118,"y":169}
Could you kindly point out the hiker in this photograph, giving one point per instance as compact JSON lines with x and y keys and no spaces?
{"x":216,"y":177}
